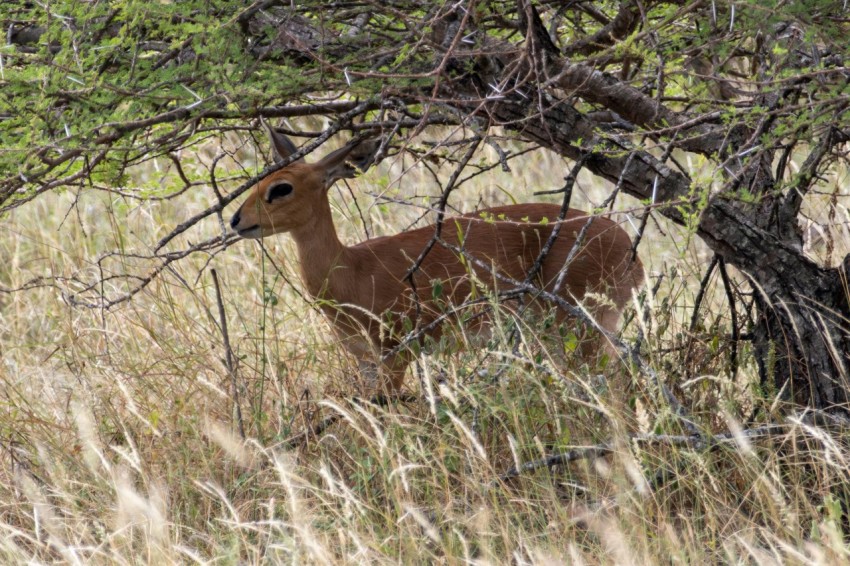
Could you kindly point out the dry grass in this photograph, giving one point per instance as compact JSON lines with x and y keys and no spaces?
{"x":118,"y":443}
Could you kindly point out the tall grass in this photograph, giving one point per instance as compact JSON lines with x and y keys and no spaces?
{"x":119,"y":443}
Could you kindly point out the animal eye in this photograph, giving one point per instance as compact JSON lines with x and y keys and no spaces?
{"x":278,"y":191}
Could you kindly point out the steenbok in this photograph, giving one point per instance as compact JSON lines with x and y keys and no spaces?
{"x":366,"y":294}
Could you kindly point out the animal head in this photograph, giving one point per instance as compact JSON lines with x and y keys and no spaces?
{"x":290,"y":198}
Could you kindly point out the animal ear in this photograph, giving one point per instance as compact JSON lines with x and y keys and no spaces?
{"x":364,"y":153}
{"x":282,"y":146}
{"x":338,"y":164}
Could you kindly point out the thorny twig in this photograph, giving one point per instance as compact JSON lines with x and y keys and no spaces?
{"x":698,"y":443}
{"x":228,"y":355}
{"x":438,"y":227}
{"x":547,"y":246}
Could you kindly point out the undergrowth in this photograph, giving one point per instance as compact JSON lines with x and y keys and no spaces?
{"x":120,"y":443}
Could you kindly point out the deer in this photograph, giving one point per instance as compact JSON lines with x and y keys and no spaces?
{"x":371,"y":291}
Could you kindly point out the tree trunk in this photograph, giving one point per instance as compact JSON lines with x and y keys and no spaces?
{"x":802,"y":332}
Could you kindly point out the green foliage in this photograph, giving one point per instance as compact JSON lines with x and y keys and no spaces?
{"x":100,"y":67}
{"x":119,"y":81}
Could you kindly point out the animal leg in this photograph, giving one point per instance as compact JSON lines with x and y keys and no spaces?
{"x":383,"y":379}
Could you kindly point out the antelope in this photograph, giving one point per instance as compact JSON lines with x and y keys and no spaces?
{"x":364,"y":290}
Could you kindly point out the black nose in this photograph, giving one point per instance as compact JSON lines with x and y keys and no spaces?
{"x":235,"y":220}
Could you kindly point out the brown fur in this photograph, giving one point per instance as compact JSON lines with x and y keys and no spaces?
{"x":362,"y":284}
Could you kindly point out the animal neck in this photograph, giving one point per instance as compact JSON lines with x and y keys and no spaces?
{"x":320,"y":252}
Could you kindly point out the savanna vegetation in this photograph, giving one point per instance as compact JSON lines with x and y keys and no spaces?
{"x":170,"y":393}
